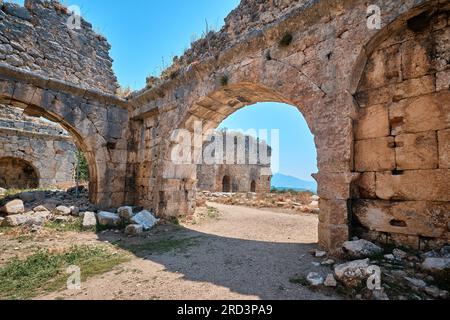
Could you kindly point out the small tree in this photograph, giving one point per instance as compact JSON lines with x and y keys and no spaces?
{"x":82,"y":168}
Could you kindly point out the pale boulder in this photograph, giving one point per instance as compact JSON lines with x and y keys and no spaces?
{"x":13,"y":207}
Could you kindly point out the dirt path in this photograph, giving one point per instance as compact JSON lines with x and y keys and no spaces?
{"x":244,"y":254}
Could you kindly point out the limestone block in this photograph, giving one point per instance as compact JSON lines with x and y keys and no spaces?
{"x":418,"y":218}
{"x":373,"y":123}
{"x":416,"y":151}
{"x":426,"y":113}
{"x":375,"y":154}
{"x":419,"y":185}
{"x":333,"y":212}
{"x":415,"y":57}
{"x":365,"y":187}
{"x":335,"y":185}
{"x":444,"y":148}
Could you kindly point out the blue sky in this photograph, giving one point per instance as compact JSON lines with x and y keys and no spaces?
{"x":146,"y":34}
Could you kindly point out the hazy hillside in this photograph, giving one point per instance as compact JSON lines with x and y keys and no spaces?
{"x":281,"y":181}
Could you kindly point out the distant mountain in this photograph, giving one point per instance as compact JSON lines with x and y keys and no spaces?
{"x":281,"y":181}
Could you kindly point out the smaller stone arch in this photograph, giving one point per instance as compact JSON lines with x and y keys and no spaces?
{"x":226,"y":184}
{"x":16,"y":173}
{"x":253,"y":186}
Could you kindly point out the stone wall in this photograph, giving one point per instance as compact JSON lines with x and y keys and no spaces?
{"x":403,"y":136}
{"x":34,"y":152}
{"x":36,"y":38}
{"x":233,"y":175}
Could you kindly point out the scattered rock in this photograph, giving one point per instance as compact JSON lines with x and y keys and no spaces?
{"x":134,"y":229}
{"x":380,"y":295}
{"x":89,"y":220}
{"x":22,"y":219}
{"x":416,"y":283}
{"x":351,"y":273}
{"x":399,"y":254}
{"x":61,"y":211}
{"x":13,"y":207}
{"x":314,"y":279}
{"x":108,"y":219}
{"x":75,"y":211}
{"x":389,"y":257}
{"x":330,"y":281}
{"x":436,"y":264}
{"x":2,"y":191}
{"x":320,"y":254}
{"x":126,"y":213}
{"x":433,"y":291}
{"x":361,"y":249}
{"x":40,"y":209}
{"x":145,"y":219}
{"x":27,"y":196}
{"x":328,"y":262}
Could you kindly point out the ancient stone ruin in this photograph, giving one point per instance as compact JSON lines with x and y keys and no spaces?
{"x":34,"y":153}
{"x":244,"y":172}
{"x":376,"y":100}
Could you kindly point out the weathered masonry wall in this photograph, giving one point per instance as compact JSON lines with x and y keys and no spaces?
{"x":233,"y":178}
{"x":251,"y":176}
{"x":34,"y":153}
{"x":317,"y":56}
{"x":402,"y":143}
{"x":36,"y":38}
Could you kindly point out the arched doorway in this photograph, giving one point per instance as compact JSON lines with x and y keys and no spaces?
{"x":17,"y":173}
{"x":226,"y":184}
{"x":253,"y":186}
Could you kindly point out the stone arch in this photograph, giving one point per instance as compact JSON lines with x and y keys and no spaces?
{"x":67,"y":111}
{"x":18,"y":173}
{"x":402,"y":131}
{"x":226,"y":183}
{"x":253,"y":186}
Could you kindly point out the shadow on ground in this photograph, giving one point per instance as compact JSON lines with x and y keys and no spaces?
{"x":254,"y":268}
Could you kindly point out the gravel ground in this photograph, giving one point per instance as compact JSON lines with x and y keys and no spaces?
{"x":244,"y":253}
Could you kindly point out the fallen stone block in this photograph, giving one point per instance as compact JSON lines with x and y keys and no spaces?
{"x":108,"y":219}
{"x":314,"y":279}
{"x":89,"y":220}
{"x":126,"y":213}
{"x":13,"y":207}
{"x":436,"y":264}
{"x":352,"y":273}
{"x":22,"y":219}
{"x":134,"y":229}
{"x":330,"y":281}
{"x":61,"y":211}
{"x":146,"y":219}
{"x":361,"y":249}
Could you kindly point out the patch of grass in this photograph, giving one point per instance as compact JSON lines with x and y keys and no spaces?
{"x":286,"y":40}
{"x":160,"y":246}
{"x":212,"y":213}
{"x":75,"y":225}
{"x":224,"y":80}
{"x":300,"y":280}
{"x":46,"y":272}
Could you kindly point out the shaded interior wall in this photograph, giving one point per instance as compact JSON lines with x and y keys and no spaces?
{"x":36,"y":38}
{"x":402,"y":138}
{"x":17,"y":174}
{"x":46,"y":147}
